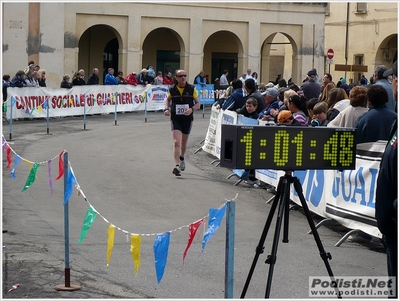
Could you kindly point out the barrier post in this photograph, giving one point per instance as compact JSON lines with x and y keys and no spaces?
{"x":115,"y":111}
{"x":11,"y":111}
{"x":229,"y":249}
{"x":48,"y":118}
{"x":67,"y":286}
{"x":84,"y":113}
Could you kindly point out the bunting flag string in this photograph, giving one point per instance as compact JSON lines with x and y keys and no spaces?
{"x":162,"y":241}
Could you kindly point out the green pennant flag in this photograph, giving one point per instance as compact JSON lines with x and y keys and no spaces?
{"x":87,"y":223}
{"x":31,"y":177}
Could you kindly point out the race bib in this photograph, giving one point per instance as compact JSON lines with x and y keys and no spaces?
{"x":180,"y":109}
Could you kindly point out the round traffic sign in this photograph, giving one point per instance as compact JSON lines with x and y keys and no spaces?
{"x":330,"y":54}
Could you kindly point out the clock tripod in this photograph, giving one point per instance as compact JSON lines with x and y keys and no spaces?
{"x":282,"y":198}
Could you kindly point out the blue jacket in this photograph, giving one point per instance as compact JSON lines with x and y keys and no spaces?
{"x":375,"y":124}
{"x":273,"y":105}
{"x":391,"y":104}
{"x":110,"y":80}
{"x":234,"y":101}
{"x":17,"y":82}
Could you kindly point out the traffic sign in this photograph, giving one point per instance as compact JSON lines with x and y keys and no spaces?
{"x":330,"y":54}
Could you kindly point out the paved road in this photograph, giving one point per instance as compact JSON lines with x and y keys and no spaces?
{"x":125,"y":173}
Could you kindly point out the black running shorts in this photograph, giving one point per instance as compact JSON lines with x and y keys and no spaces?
{"x":184,"y":125}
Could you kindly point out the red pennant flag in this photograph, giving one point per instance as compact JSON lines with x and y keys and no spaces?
{"x":192,"y":233}
{"x":9,"y":156}
{"x":60,"y":166}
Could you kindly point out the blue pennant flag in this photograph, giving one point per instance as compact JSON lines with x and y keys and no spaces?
{"x":17,"y":158}
{"x":214,"y":222}
{"x":70,"y":183}
{"x":160,"y":248}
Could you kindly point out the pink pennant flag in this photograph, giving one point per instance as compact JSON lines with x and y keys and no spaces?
{"x":60,"y":166}
{"x":192,"y":233}
{"x":8,"y":156}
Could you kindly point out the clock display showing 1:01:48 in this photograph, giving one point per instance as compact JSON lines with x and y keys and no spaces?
{"x":296,"y":148}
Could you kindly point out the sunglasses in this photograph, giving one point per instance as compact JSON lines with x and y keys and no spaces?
{"x":182,"y":75}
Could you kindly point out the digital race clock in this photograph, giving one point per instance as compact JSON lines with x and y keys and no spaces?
{"x":287,"y":147}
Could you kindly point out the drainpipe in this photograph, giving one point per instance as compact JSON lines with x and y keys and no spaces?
{"x":346,"y":50}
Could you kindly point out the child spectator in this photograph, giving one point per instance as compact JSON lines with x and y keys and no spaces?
{"x":250,"y":108}
{"x":319,"y":117}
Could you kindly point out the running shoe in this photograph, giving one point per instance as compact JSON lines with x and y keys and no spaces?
{"x":176,"y":171}
{"x":182,"y":165}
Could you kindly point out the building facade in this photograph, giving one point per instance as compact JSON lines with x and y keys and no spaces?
{"x":268,"y":38}
{"x":65,"y":37}
{"x":360,"y":34}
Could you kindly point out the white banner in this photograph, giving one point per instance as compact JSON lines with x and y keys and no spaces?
{"x":347,"y":197}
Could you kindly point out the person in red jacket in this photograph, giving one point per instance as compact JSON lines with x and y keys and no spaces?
{"x":131,"y":79}
{"x":168,"y":80}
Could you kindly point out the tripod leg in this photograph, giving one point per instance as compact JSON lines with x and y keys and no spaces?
{"x":260,"y":246}
{"x":324,"y":255}
{"x":271,"y":259}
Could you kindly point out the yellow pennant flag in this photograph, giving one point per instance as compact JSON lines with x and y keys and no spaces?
{"x":136,"y":241}
{"x":110,"y":243}
{"x":39,"y":108}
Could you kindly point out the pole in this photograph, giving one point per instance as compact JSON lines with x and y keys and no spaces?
{"x":66,"y":224}
{"x":48,"y":117}
{"x":84,"y":113}
{"x":115,"y":110}
{"x":11,"y":111}
{"x":145,"y":108}
{"x":67,"y":286}
{"x":229,"y":249}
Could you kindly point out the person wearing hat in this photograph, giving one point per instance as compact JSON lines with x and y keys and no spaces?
{"x":271,"y":102}
{"x":285,"y":117}
{"x":387,"y":186}
{"x":381,"y":79}
{"x":310,"y":88}
{"x":94,"y":77}
{"x":18,"y":80}
{"x":141,"y":78}
{"x":131,"y":79}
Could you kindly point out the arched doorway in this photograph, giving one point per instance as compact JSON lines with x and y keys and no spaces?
{"x":98,"y":48}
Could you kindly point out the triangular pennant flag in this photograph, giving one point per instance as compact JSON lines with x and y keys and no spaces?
{"x":27,"y":111}
{"x":49,"y":173}
{"x":13,"y":100}
{"x":33,"y":109}
{"x":60,"y":166}
{"x":87,"y":222}
{"x":39,"y":109}
{"x":110,"y":242}
{"x":17,"y":158}
{"x":160,"y":248}
{"x":31,"y":177}
{"x":192,"y":233}
{"x":9,"y":160}
{"x":70,"y":183}
{"x":214,"y":221}
{"x":45,"y":105}
{"x":136,"y":241}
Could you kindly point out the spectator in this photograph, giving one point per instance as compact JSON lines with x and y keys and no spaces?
{"x":29,"y":80}
{"x":200,"y":79}
{"x":386,"y":212}
{"x":380,"y":80}
{"x":65,"y":83}
{"x":142,"y":77}
{"x":254,"y":75}
{"x":310,"y":106}
{"x":36,"y":79}
{"x":326,"y":82}
{"x":337,"y":102}
{"x":248,"y":74}
{"x":285,"y":117}
{"x":110,"y":79}
{"x":94,"y":77}
{"x":159,"y":80}
{"x":250,"y":109}
{"x":37,"y":68}
{"x":223,"y":80}
{"x":82,"y":72}
{"x":297,"y":105}
{"x":236,"y":100}
{"x":120,"y":78}
{"x":6,"y":84}
{"x":281,"y":83}
{"x":150,"y":75}
{"x":18,"y":80}
{"x":168,"y":80}
{"x":278,"y":77}
{"x":31,"y":66}
{"x":319,"y":111}
{"x":42,"y":77}
{"x":77,"y":79}
{"x":357,"y":107}
{"x":243,"y":77}
{"x":251,"y":89}
{"x":271,"y":102}
{"x":310,"y":88}
{"x":131,"y":79}
{"x":375,"y":124}
{"x":326,"y":90}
